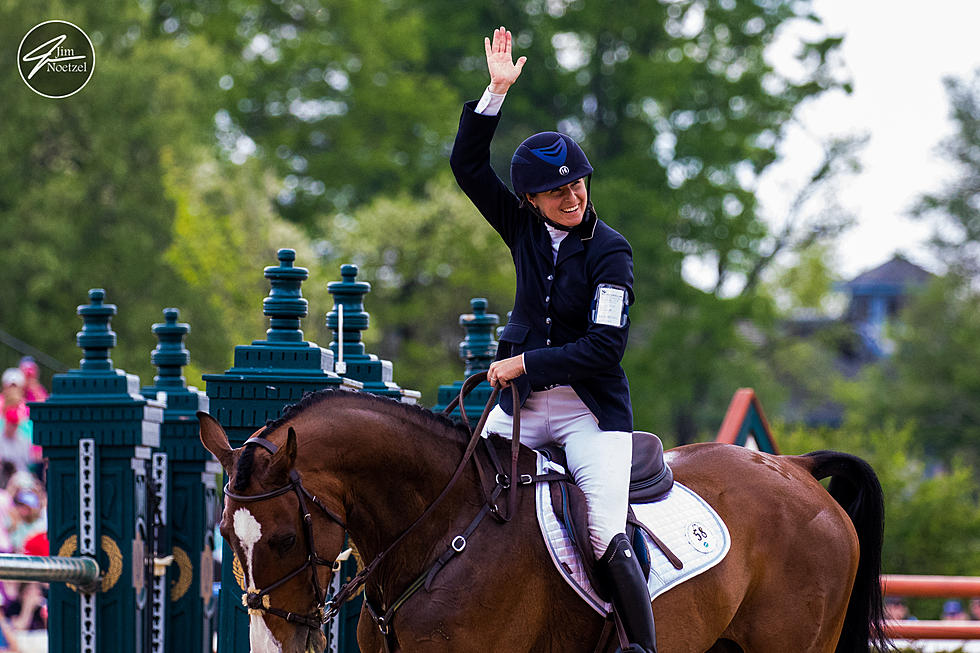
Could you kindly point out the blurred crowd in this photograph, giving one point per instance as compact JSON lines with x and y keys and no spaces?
{"x":23,"y":508}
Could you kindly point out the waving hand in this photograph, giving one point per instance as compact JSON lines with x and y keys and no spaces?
{"x":500,"y":61}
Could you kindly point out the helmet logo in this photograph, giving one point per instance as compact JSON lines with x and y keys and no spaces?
{"x":563,"y":170}
{"x":554,"y":154}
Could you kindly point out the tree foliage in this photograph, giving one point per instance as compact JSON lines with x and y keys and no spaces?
{"x":932,"y":381}
{"x":208,"y":123}
{"x":956,"y":207}
{"x":419,"y":254}
{"x":81,"y":186}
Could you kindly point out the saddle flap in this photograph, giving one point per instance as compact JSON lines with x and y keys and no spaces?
{"x":690,"y":539}
{"x":570,"y":509}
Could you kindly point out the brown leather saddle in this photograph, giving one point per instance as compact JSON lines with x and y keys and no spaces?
{"x":650,"y":476}
{"x":650,"y":479}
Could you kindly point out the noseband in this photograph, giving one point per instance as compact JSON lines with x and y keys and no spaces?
{"x":258,"y":601}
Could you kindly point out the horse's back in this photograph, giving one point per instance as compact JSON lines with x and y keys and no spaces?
{"x":788,"y":535}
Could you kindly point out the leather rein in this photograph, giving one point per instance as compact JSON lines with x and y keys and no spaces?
{"x":258,"y":601}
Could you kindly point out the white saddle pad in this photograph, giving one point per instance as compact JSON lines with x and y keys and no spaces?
{"x":683,"y":521}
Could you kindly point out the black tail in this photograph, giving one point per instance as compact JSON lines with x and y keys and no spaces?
{"x":854,"y":485}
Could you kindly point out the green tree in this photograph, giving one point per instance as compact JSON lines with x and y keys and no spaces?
{"x":419,"y":255}
{"x":932,"y":381}
{"x":225,"y":231}
{"x":355,"y":100}
{"x":121,"y":186}
{"x":344,"y":99}
{"x":956,"y":208}
{"x":81,"y":198}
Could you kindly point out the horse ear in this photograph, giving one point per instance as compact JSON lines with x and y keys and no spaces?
{"x":285,"y":458}
{"x":215,"y":440}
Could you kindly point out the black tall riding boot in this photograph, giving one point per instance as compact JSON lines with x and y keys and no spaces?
{"x":620,"y":572}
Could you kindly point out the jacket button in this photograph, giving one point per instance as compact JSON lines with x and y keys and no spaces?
{"x":547,"y":299}
{"x":551,"y":277}
{"x":548,"y":342}
{"x":547,"y":320}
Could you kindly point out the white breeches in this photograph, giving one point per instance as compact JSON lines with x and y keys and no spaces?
{"x":599,"y":461}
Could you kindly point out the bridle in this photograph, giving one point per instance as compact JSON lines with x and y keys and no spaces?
{"x":258,"y":601}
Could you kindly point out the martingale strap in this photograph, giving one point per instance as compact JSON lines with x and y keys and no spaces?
{"x":349,"y":588}
{"x":458,"y":544}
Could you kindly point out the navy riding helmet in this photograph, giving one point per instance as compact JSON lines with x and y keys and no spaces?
{"x":545,"y":161}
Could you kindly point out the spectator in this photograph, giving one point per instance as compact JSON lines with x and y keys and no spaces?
{"x":27,"y":610}
{"x":33,"y":390}
{"x":975,"y":608}
{"x":13,"y":391}
{"x":8,"y":637}
{"x":29,"y":518}
{"x":15,"y":438}
{"x":896,"y":608}
{"x":37,"y":544}
{"x":6,"y":521}
{"x":953,"y":611}
{"x":16,"y":443}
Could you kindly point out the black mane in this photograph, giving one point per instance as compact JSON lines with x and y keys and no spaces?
{"x":245,"y":465}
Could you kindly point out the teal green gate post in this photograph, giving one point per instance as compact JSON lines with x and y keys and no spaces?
{"x":267,"y":376}
{"x":347,"y":320}
{"x":477,"y":350}
{"x":186,"y":477}
{"x":97,"y":433}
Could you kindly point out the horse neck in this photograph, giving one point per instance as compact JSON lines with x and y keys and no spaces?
{"x":385,"y":470}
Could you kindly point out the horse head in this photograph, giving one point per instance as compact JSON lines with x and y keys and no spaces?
{"x":285,"y":539}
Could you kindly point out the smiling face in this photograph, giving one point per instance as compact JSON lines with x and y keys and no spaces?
{"x":565,"y":204}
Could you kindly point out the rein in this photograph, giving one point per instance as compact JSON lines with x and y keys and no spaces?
{"x":459,"y":542}
{"x":258,"y":601}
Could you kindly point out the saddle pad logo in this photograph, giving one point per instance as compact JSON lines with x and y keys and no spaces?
{"x":700,"y":537}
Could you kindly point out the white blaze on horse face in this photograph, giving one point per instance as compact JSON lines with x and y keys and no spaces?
{"x":249,"y":532}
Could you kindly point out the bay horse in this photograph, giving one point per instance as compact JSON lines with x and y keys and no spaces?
{"x":802,"y":574}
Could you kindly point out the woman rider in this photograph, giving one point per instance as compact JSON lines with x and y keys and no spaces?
{"x":568,"y":330}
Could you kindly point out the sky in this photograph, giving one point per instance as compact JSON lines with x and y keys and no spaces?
{"x":896,"y":54}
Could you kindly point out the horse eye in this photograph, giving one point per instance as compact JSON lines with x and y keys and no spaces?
{"x":282,"y":544}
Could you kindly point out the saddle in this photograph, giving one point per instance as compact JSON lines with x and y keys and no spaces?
{"x":650,"y":479}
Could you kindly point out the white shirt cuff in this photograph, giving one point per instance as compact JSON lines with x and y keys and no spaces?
{"x":522,"y":363}
{"x":489,"y":104}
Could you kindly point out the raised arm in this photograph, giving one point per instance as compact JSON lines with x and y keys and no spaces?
{"x":500,"y":61}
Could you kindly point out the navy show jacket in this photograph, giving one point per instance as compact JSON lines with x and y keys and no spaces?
{"x":551,"y":323}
